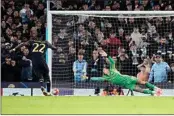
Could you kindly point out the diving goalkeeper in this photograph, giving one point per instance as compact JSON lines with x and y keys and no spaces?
{"x":111,"y":74}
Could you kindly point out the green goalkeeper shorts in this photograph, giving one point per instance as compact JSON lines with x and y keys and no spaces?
{"x":131,"y":82}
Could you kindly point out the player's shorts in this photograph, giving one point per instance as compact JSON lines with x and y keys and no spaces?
{"x":131,"y":82}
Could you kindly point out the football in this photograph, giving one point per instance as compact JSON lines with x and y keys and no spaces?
{"x":55,"y":91}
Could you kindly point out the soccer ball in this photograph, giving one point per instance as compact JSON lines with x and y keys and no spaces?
{"x":55,"y":91}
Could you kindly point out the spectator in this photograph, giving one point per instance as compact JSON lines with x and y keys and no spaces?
{"x":159,"y":71}
{"x":16,"y":70}
{"x":125,"y":63}
{"x":79,"y":68}
{"x":130,"y":24}
{"x":34,"y":5}
{"x":144,"y":70}
{"x":116,"y":6}
{"x":43,"y":18}
{"x":136,"y":37}
{"x":91,"y":26}
{"x":26,"y":74}
{"x":156,"y":7}
{"x":9,"y":21}
{"x":40,"y":10}
{"x":25,"y":9}
{"x":134,"y":53}
{"x":147,"y":5}
{"x":163,"y":47}
{"x":6,"y":66}
{"x":79,"y":33}
{"x":85,"y":6}
{"x":114,"y":43}
{"x":154,"y":35}
{"x":5,"y":50}
{"x":95,"y":65}
{"x":170,"y":58}
{"x":112,"y":91}
{"x":8,"y":34}
{"x":99,"y":35}
{"x":107,"y":8}
{"x":10,"y":66}
{"x":25,"y":13}
{"x":25,"y":28}
{"x":121,"y":34}
{"x":129,"y":7}
{"x":171,"y":74}
{"x":125,"y":42}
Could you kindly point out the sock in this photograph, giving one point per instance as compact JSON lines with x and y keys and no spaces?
{"x":148,"y":92}
{"x":48,"y":86}
{"x":41,"y":83}
{"x":150,"y":86}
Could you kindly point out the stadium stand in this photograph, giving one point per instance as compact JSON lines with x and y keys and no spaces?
{"x":118,"y":36}
{"x":112,"y":5}
{"x":131,"y":41}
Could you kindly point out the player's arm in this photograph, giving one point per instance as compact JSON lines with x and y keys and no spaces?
{"x":167,"y":67}
{"x":98,"y":79}
{"x":140,"y":65}
{"x":151,"y":73}
{"x":147,"y":69}
{"x":19,"y":46}
{"x":108,"y":58}
{"x":74,"y":67}
{"x":112,"y":62}
{"x":51,"y":46}
{"x":85,"y":69}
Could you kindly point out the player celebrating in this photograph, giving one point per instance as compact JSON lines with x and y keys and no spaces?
{"x":40,"y":67}
{"x":112,"y":75}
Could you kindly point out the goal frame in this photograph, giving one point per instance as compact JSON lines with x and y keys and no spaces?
{"x":49,"y":23}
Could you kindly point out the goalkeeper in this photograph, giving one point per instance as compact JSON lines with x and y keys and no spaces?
{"x":111,"y":74}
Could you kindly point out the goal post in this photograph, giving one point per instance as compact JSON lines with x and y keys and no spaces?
{"x":100,"y":14}
{"x":49,"y":39}
{"x":169,"y":13}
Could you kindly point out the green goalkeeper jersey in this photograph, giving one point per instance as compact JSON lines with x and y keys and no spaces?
{"x":115,"y":77}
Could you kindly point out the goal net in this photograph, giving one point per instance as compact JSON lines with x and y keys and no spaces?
{"x":130,"y":38}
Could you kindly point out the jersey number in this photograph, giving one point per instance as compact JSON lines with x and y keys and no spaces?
{"x":39,"y":47}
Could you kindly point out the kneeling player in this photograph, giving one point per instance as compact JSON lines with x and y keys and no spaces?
{"x":112,"y":75}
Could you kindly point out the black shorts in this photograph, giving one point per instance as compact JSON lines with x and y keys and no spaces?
{"x":41,"y":70}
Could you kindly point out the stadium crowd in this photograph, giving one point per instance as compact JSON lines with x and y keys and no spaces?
{"x":18,"y":19}
{"x":112,"y":5}
{"x":134,"y":43}
{"x":141,"y":47}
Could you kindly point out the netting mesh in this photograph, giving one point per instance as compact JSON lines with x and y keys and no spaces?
{"x":130,"y":40}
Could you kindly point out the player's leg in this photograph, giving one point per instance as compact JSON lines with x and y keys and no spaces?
{"x":46,"y":76}
{"x":137,"y":88}
{"x":132,"y":85}
{"x":39,"y":75}
{"x":47,"y":81}
{"x":147,"y":84}
{"x":48,"y":85}
{"x":150,"y":86}
{"x":38,"y":70}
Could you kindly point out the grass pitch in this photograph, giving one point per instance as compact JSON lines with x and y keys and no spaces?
{"x":87,"y":105}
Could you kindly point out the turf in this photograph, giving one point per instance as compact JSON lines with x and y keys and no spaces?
{"x":87,"y":105}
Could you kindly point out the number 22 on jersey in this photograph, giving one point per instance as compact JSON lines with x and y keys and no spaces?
{"x":39,"y":47}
